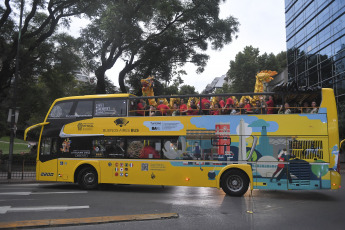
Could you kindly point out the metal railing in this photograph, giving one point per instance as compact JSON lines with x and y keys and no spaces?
{"x":21,"y":169}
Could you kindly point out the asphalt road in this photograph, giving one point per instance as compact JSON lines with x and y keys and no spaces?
{"x":198,"y":208}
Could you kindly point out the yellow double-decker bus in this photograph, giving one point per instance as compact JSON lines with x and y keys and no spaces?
{"x":110,"y":139}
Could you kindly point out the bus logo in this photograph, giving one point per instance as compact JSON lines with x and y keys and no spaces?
{"x":121,"y":122}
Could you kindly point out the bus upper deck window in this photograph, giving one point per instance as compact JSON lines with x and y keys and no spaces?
{"x":111,"y":108}
{"x":84,"y":108}
{"x":61,"y":110}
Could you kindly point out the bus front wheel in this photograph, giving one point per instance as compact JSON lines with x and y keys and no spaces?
{"x":235,"y":183}
{"x":87,"y":178}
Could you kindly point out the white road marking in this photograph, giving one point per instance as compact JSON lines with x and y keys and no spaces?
{"x":37,"y":193}
{"x":5,"y":209}
{"x":15,"y":193}
{"x":68,"y":192}
{"x":23,"y":185}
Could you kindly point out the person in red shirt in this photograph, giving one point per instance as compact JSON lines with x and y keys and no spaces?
{"x":163,"y":108}
{"x":216,"y":109}
{"x":220,"y":102}
{"x":204,"y":101}
{"x":141,"y":107}
{"x":229,"y":102}
{"x":270,"y":105}
{"x":248,"y":106}
{"x":183,"y":107}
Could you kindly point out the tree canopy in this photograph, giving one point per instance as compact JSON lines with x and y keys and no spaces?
{"x":41,"y":20}
{"x":154,"y":37}
{"x":247,"y":64}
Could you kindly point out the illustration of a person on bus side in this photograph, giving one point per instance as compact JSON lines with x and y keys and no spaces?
{"x":283,"y":156}
{"x":196,"y":150}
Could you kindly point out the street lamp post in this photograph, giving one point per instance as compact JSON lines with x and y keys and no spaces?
{"x":12,"y":113}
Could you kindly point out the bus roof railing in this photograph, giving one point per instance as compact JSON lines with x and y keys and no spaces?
{"x":222,"y":95}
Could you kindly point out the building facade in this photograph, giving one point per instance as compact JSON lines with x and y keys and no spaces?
{"x":315,"y":32}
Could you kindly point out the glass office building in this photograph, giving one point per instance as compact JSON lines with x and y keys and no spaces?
{"x":315,"y":32}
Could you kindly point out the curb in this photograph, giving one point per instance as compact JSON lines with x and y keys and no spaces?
{"x":84,"y":221}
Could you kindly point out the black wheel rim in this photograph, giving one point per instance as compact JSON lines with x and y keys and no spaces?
{"x":234,"y":183}
{"x":89,"y":178}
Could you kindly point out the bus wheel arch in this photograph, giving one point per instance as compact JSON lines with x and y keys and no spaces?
{"x":234,"y":182}
{"x":86,"y":176}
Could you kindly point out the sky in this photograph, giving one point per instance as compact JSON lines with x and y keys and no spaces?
{"x":262,"y":25}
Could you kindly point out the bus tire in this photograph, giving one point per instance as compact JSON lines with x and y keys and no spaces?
{"x":88,"y":178}
{"x":235,"y":182}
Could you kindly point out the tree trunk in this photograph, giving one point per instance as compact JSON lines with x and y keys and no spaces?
{"x":100,"y":89}
{"x":122,"y":75}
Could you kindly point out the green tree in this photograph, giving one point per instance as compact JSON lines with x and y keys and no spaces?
{"x":241,"y":74}
{"x":154,"y":37}
{"x":247,"y":64}
{"x":41,"y":20}
{"x":187,"y":89}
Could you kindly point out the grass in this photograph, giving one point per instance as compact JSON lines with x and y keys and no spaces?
{"x":18,"y":147}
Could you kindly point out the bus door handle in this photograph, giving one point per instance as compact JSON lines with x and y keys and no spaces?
{"x":255,"y":140}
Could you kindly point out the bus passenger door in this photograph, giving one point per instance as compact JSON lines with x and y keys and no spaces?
{"x":47,"y":164}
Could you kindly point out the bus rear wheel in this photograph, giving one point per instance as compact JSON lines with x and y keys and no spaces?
{"x":88,"y":178}
{"x":235,"y":183}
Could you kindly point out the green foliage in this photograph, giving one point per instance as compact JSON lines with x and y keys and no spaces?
{"x":187,"y":89}
{"x":247,"y":64}
{"x":154,"y":37}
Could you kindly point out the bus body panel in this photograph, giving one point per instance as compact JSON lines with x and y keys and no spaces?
{"x":311,"y":140}
{"x":47,"y":170}
{"x":67,"y":168}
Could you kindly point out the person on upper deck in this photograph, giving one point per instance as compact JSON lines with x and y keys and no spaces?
{"x":163,"y":108}
{"x":176,"y":111}
{"x":286,"y":109}
{"x":258,"y":108}
{"x":183,"y":107}
{"x":193,"y":109}
{"x":141,"y":107}
{"x":247,"y":106}
{"x":305,"y":108}
{"x":216,"y":109}
{"x":314,"y":108}
{"x":270,"y":105}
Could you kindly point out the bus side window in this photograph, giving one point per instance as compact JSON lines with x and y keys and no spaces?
{"x":49,"y":148}
{"x":61,"y":109}
{"x":84,"y":108}
{"x":110,"y":108}
{"x":45,"y":146}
